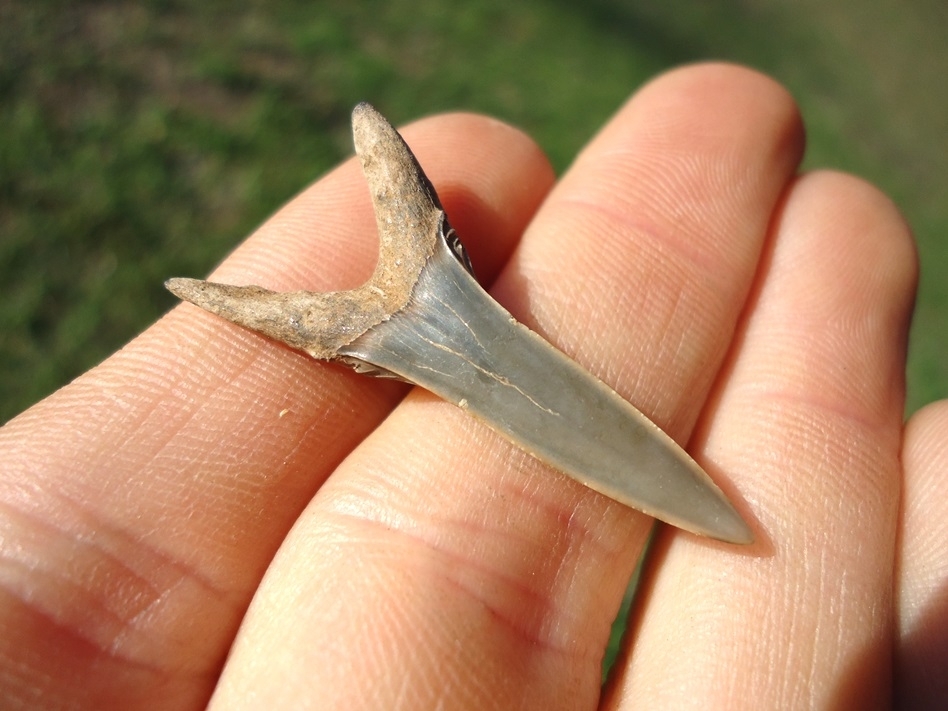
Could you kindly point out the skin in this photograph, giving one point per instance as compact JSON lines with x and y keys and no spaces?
{"x":353,"y":544}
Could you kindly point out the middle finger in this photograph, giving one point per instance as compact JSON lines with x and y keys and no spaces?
{"x":439,"y":559}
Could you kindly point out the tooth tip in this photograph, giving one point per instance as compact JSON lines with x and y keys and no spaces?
{"x":742,"y":536}
{"x":733,"y":529}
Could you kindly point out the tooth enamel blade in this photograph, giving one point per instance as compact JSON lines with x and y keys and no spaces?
{"x":456,"y":341}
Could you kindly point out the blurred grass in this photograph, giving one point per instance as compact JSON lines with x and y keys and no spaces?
{"x":143,"y":140}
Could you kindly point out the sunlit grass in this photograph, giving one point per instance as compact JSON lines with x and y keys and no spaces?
{"x":145,"y":140}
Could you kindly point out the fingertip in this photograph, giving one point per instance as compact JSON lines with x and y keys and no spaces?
{"x":868,"y":258}
{"x":723,"y":77}
{"x":710,"y":100}
{"x":838,"y":201}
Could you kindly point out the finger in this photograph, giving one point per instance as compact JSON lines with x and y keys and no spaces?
{"x":806,"y":421}
{"x":141,"y":504}
{"x":440,"y":565}
{"x":922,"y":583}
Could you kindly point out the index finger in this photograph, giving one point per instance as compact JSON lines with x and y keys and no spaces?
{"x":140,"y":505}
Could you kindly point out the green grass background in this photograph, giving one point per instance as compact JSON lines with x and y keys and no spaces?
{"x":144,"y":140}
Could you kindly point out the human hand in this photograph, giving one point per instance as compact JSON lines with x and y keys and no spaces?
{"x":401,"y":555}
